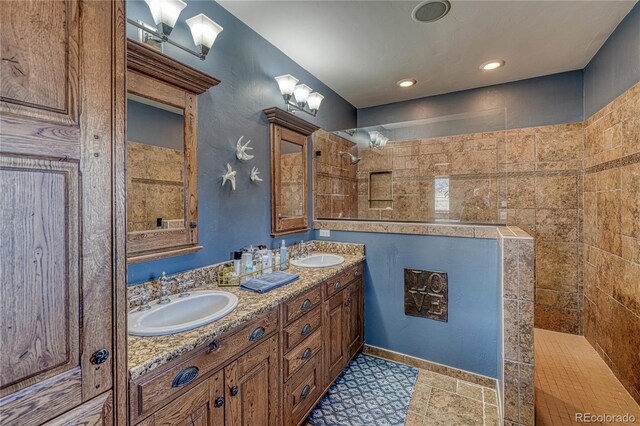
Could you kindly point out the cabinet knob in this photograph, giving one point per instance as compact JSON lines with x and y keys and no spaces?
{"x":257,"y":333}
{"x":234,"y":391}
{"x":305,"y":305}
{"x":337,"y":285}
{"x":213,"y":346}
{"x":193,"y":225}
{"x":347,"y":302}
{"x":356,"y":274}
{"x":99,"y":356}
{"x":306,"y":354}
{"x":306,"y":329}
{"x":305,"y":392}
{"x":219,"y":402}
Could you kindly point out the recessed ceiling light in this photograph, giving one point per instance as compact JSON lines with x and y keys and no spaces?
{"x":492,"y":64}
{"x":431,"y":10}
{"x":407,"y":82}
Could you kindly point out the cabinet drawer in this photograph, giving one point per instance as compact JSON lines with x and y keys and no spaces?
{"x":340,"y":281}
{"x":152,"y":392}
{"x":302,"y":354}
{"x":302,"y":391}
{"x":302,"y":304}
{"x":300,"y":329}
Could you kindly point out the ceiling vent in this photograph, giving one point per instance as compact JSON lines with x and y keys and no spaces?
{"x":431,"y":10}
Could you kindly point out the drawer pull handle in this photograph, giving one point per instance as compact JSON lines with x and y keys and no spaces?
{"x":305,"y":392}
{"x":306,"y":329}
{"x":234,"y":391}
{"x":99,"y":357}
{"x":306,"y":354}
{"x":219,"y":402}
{"x":337,"y":285}
{"x":305,"y":305}
{"x":213,"y":346}
{"x":257,"y":333}
{"x":356,"y":274}
{"x":185,"y":377}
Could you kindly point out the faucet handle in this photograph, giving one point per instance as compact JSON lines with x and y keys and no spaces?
{"x":144,"y":297}
{"x":183,"y":286}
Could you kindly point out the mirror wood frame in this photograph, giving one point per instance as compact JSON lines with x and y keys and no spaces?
{"x":157,"y":77}
{"x":290,"y":128}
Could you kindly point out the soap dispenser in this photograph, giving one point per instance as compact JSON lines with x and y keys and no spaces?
{"x":284,"y":256}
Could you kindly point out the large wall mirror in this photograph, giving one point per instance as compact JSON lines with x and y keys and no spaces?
{"x":289,"y":175}
{"x":162,"y":161}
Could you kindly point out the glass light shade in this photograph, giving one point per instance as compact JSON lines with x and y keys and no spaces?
{"x":374,"y":137}
{"x":301,"y":93}
{"x":165,"y":13}
{"x":204,"y":31}
{"x":314,"y":101}
{"x":287,"y":84}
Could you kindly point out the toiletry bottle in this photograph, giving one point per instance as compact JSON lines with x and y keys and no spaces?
{"x":237,"y":263}
{"x":284,"y":256}
{"x":247,"y":259}
{"x":267,"y":259}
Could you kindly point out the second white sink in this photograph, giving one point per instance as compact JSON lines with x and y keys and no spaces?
{"x":182,"y":313}
{"x":318,"y":260}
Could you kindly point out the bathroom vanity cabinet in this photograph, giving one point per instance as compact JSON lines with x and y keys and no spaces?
{"x":271,"y":370}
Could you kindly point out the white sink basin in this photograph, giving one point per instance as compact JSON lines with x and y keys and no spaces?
{"x":182,"y":313}
{"x":318,"y":260}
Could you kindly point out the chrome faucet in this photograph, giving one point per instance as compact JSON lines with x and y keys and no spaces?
{"x":144,"y":297}
{"x":303,"y":249}
{"x":310,"y":247}
{"x":164,"y":289}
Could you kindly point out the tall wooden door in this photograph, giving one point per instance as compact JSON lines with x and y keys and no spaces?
{"x":252,"y":396}
{"x":355,"y":314}
{"x":55,"y":207}
{"x":335,"y":336}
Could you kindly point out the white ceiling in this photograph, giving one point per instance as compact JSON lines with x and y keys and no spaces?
{"x":362,"y":48}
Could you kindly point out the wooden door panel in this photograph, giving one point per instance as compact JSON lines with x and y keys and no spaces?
{"x":356,"y":317}
{"x":39,"y":272}
{"x":252,"y":387}
{"x":40,"y":79}
{"x":335,"y":336}
{"x":192,"y":408}
{"x":97,"y":412}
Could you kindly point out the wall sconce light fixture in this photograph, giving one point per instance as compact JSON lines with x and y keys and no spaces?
{"x":378,"y":140}
{"x":165,"y":15}
{"x":301,"y":93}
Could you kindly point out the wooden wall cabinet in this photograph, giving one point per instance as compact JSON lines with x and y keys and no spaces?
{"x":160,"y":82}
{"x":289,"y":172}
{"x":61,"y":140}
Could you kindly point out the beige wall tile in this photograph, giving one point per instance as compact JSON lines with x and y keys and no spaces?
{"x":557,"y":192}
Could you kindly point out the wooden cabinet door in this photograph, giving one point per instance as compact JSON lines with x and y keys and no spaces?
{"x":335,"y":335}
{"x":96,"y":412}
{"x":56,"y":195}
{"x":251,"y":381}
{"x":194,"y":408}
{"x":355,"y":307}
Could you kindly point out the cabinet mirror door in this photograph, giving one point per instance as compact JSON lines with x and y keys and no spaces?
{"x":161,"y":170}
{"x":289,"y":173}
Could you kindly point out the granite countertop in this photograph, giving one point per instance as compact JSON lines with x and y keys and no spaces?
{"x":148,"y":353}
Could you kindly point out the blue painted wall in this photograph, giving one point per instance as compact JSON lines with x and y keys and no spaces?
{"x":540,"y":101}
{"x":616,"y":66}
{"x":246,"y":64}
{"x":469,"y":339}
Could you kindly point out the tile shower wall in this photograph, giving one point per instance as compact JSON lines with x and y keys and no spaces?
{"x":155,"y":182}
{"x":536,"y":170}
{"x":612,"y":236}
{"x":334,"y":189}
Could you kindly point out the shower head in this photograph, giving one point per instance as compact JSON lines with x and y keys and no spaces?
{"x":352,"y":158}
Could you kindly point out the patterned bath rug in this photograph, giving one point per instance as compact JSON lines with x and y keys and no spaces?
{"x":370,"y":391}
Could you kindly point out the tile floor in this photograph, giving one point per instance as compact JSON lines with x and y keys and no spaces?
{"x":440,"y":400}
{"x":571,"y":377}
